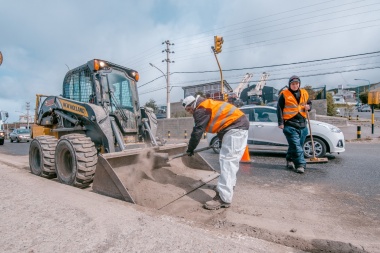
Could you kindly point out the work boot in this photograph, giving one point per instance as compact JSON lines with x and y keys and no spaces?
{"x":216,"y":203}
{"x":300,"y":170}
{"x":290,"y":165}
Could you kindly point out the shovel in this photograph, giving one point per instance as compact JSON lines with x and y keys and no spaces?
{"x":183,"y":154}
{"x":313,"y":159}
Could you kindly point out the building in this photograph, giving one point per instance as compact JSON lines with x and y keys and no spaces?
{"x":209,"y":90}
{"x":346,"y":96}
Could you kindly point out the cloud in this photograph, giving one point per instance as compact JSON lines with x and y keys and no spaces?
{"x":41,"y":39}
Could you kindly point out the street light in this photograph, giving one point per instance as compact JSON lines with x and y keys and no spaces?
{"x":167,"y":91}
{"x":369,"y":83}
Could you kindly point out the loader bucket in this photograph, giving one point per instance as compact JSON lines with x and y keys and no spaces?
{"x":139,"y":175}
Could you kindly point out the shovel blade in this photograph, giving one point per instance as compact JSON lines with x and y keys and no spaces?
{"x":317,"y":160}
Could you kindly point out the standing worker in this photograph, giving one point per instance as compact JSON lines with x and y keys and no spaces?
{"x":291,"y":114}
{"x":231,"y":126}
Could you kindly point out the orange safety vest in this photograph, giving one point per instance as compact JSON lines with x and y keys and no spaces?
{"x":292,"y":108}
{"x":223,"y":114}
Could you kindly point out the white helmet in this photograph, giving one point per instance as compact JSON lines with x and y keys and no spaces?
{"x":188,"y":100}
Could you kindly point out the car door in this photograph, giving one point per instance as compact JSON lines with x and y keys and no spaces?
{"x":12,"y":135}
{"x":250,"y":113}
{"x":265,"y":132}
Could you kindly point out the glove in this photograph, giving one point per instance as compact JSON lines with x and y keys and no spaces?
{"x":190,"y":152}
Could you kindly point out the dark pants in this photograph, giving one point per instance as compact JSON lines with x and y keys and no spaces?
{"x":296,"y":138}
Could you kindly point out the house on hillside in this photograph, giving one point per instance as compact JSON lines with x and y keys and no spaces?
{"x":345,"y":97}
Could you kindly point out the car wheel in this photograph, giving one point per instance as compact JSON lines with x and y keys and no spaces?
{"x":319,"y":147}
{"x":18,"y":140}
{"x":216,"y":144}
{"x":11,"y":139}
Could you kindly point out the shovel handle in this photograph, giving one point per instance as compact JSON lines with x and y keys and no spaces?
{"x":195,"y":151}
{"x":311,"y":134}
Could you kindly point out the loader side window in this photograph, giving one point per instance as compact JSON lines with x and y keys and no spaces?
{"x":78,"y":87}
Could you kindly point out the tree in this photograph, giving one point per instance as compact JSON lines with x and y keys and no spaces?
{"x":152,"y":104}
{"x":364,"y":97}
{"x":312,"y":93}
{"x":331,"y":109}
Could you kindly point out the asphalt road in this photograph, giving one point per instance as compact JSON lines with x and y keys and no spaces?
{"x":354,"y":171}
{"x":15,"y":148}
{"x":341,"y":196}
{"x":362,"y":115}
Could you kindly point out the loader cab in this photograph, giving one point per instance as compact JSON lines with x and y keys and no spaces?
{"x":103,"y":83}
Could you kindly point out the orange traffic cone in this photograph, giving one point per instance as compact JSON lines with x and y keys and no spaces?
{"x":246,"y":158}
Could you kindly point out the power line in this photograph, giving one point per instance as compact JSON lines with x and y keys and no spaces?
{"x":142,"y":58}
{"x":276,"y":65}
{"x":302,"y":19}
{"x":286,"y":28}
{"x":271,"y":15}
{"x":310,"y":75}
{"x":266,"y":44}
{"x":238,"y":48}
{"x":274,"y":72}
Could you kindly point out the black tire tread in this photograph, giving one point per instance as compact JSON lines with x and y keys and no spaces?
{"x":86,"y":157}
{"x":47,"y":144}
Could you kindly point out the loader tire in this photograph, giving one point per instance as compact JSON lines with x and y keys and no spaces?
{"x":41,"y":156}
{"x":76,"y":158}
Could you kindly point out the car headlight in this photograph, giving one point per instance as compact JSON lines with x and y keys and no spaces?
{"x":331,"y":128}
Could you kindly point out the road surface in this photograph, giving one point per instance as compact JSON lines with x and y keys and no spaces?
{"x":274,"y":210}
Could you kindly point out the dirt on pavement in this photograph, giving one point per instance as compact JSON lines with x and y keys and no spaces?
{"x":298,"y":216}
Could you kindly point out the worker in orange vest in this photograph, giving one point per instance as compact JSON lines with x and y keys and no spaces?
{"x":292,"y":105}
{"x":231,"y":126}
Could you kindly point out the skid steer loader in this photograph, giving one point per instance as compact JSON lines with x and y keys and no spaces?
{"x":97,"y":134}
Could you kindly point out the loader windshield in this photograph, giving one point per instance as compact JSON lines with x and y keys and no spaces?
{"x":121,"y":87}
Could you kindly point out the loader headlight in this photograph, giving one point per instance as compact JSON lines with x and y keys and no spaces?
{"x":98,"y":64}
{"x":331,"y":128}
{"x":136,"y":75}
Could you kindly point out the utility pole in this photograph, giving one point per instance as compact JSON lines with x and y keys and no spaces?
{"x":168,"y":61}
{"x":27,"y":113}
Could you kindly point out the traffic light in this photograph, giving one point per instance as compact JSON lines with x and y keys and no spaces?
{"x":218,"y":41}
{"x":225,"y":97}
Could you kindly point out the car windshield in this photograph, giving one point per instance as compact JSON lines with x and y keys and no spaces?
{"x":23,"y":131}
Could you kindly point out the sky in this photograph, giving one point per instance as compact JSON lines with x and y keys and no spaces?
{"x":326,"y":43}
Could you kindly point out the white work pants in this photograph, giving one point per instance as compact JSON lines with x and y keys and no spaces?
{"x":231,"y":152}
